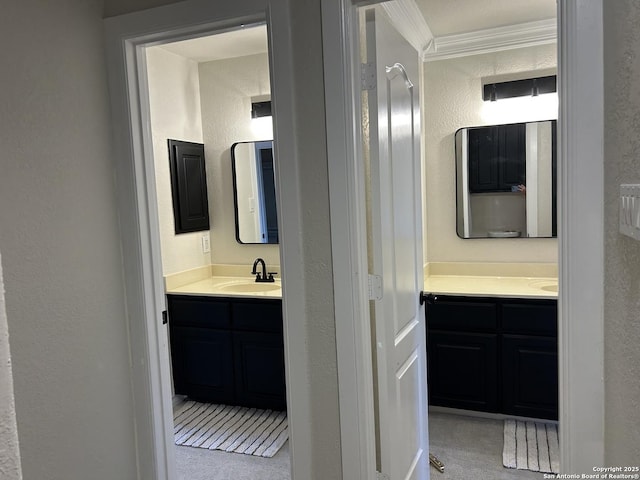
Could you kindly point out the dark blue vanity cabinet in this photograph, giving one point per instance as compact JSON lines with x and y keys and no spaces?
{"x":228,"y":350}
{"x":493,"y":355}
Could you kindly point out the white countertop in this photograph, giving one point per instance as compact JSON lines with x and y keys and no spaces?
{"x":514,"y":280}
{"x":490,"y":286}
{"x":225,"y":286}
{"x":443,"y":278}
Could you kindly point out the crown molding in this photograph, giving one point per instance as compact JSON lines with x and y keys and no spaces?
{"x":407,"y":18}
{"x":492,"y":40}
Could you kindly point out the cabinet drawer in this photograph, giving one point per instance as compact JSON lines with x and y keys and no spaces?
{"x":530,"y":318}
{"x":449,"y":313}
{"x":257,"y":315}
{"x":199,"y":311}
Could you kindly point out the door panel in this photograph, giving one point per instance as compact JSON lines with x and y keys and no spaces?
{"x":397,"y":250}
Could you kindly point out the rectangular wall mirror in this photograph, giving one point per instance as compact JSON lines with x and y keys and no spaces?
{"x":506,"y":180}
{"x":254,"y":192}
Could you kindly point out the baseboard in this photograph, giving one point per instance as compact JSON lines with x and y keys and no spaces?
{"x":492,"y":416}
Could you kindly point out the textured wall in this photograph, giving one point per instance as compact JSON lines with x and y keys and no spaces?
{"x":60,"y":245}
{"x":9,"y":449}
{"x":622,"y":254}
{"x":174,"y":97}
{"x":226,"y":89}
{"x":452,"y":90}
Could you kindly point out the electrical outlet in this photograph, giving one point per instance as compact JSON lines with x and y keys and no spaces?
{"x":630,"y":210}
{"x":206,"y":243}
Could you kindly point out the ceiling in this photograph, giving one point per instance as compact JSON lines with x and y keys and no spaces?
{"x":444,"y":17}
{"x":245,"y":41}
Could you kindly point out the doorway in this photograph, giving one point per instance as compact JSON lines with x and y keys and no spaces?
{"x":128,"y":37}
{"x":580,"y":30}
{"x":201,"y":91}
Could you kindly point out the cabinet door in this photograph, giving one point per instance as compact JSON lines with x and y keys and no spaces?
{"x":497,"y":157}
{"x":188,"y":186}
{"x":511,"y":156}
{"x":530,"y":376}
{"x":202,"y":364}
{"x":259,"y":365}
{"x":463,"y":370}
{"x":483,"y":159}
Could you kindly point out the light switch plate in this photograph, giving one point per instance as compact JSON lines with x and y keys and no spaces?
{"x":206,"y":243}
{"x":630,"y":210}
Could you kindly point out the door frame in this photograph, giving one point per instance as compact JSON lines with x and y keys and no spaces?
{"x":126,"y":38}
{"x":580,"y":236}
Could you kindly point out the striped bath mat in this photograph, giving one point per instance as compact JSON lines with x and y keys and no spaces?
{"x":531,"y":446}
{"x":232,"y":429}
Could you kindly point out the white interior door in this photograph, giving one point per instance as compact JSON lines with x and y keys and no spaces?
{"x":397,"y":246}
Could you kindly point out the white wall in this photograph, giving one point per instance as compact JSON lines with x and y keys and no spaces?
{"x":452,"y":91}
{"x":61,"y":246}
{"x":10,"y":451}
{"x":174,"y":97}
{"x":622,"y":254}
{"x":226,"y":89}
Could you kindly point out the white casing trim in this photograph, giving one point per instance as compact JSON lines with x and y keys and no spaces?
{"x":126,"y":37}
{"x":349,"y":238}
{"x":407,"y":18}
{"x":492,"y":40}
{"x":581,"y":235}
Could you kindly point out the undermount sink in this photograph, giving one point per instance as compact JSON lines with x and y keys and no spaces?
{"x":550,"y":288}
{"x":250,"y":287}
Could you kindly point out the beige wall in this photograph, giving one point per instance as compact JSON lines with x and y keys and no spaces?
{"x":226,"y":89}
{"x":174,"y":101}
{"x":61,"y":245}
{"x":622,"y":254}
{"x":452,"y":100}
{"x":10,"y":451}
{"x":208,"y":103}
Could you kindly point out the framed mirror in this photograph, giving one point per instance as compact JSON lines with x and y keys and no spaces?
{"x":506,"y":177}
{"x":254,"y":192}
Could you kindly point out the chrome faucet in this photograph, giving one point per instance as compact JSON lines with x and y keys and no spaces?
{"x":264,"y":277}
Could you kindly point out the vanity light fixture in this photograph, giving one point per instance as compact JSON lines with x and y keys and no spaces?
{"x":260,"y":109}
{"x":519,"y":88}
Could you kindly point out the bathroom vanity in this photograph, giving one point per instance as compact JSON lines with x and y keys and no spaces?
{"x":492,"y":344}
{"x":493,"y":355}
{"x":228,"y":350}
{"x":226,"y":335}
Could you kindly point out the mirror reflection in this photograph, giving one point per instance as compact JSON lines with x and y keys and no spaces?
{"x":254,"y":192}
{"x":506,"y":180}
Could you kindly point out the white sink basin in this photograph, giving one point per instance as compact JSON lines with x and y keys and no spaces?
{"x":250,"y":287}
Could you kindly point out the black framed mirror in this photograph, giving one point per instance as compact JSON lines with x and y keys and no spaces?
{"x":506,"y":177}
{"x":254,"y":192}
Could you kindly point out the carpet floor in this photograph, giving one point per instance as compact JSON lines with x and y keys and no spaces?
{"x":201,"y":464}
{"x":471,"y":449}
